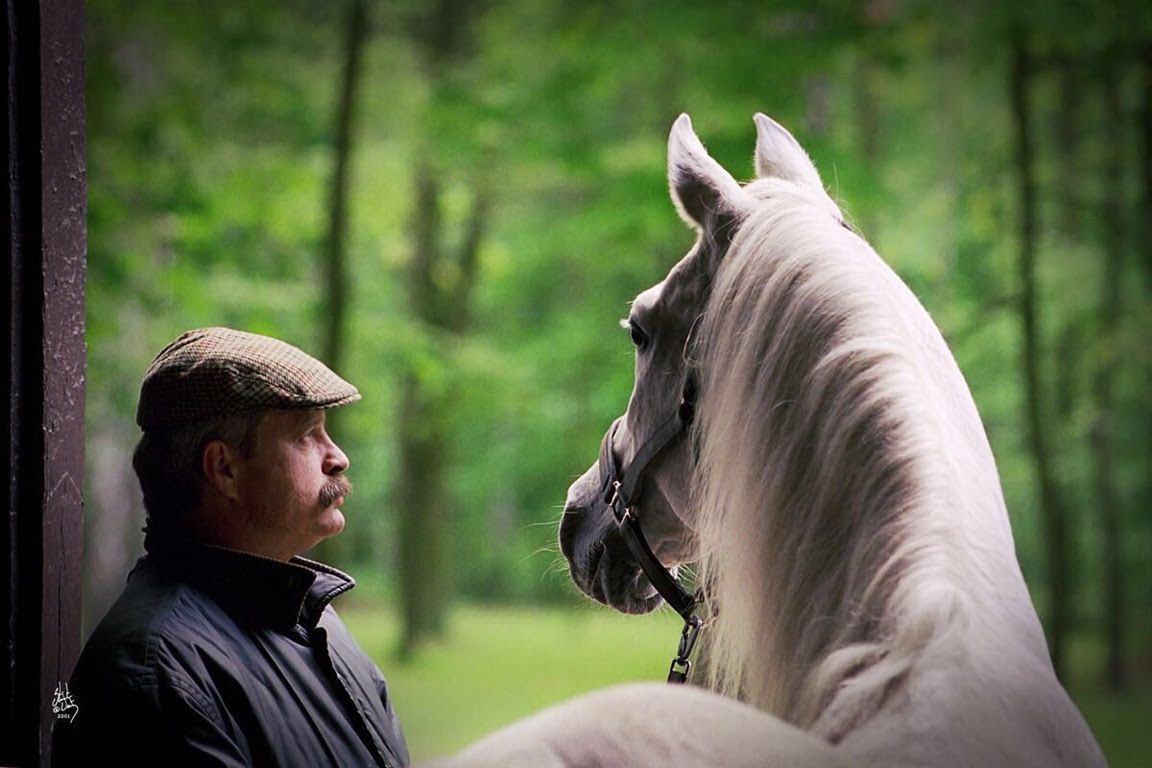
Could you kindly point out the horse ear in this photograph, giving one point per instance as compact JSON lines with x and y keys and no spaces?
{"x":779,"y":155}
{"x":700,"y":186}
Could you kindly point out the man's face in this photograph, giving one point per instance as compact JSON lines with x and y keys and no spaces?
{"x":292,"y":484}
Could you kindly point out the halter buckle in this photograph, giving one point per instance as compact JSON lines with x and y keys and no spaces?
{"x":618,"y":504}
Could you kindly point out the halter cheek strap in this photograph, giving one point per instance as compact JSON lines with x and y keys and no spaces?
{"x":620,"y":493}
{"x":621,"y":490}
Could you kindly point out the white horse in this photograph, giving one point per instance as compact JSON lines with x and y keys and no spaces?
{"x":840,"y":496}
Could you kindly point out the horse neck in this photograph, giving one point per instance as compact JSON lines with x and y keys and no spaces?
{"x":843,"y":474}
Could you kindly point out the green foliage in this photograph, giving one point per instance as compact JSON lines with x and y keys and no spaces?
{"x":210,"y":154}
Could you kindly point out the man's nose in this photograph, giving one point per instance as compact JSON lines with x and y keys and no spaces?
{"x":335,"y":460}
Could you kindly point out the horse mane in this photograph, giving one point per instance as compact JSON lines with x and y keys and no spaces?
{"x":826,"y":503}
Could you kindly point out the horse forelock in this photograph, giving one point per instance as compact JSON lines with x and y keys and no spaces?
{"x":820,"y":464}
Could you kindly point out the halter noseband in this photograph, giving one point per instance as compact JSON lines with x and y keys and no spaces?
{"x":621,"y":491}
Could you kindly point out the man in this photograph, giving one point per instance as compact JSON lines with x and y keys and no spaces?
{"x":223,"y":649}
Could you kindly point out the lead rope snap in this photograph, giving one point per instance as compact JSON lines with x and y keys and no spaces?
{"x":682,"y":665}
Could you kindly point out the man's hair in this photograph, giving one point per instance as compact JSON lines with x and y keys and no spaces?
{"x":168,"y":464}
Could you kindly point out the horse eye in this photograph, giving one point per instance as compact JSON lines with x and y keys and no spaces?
{"x":639,"y":338}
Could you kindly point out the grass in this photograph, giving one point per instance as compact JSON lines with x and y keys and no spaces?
{"x":500,"y":664}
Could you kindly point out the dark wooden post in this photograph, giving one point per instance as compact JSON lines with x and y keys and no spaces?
{"x":43,"y":302}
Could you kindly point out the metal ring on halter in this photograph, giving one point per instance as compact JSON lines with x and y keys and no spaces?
{"x":689,"y":636}
{"x":682,"y":664}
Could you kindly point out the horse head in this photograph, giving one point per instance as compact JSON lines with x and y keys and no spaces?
{"x":663,"y":327}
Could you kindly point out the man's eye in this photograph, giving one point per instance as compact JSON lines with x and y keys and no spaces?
{"x":639,"y":338}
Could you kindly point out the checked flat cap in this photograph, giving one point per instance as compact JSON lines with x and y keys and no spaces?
{"x":209,"y":373}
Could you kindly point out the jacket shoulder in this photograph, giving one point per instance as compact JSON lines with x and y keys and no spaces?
{"x":152,"y":630}
{"x":135,"y":683}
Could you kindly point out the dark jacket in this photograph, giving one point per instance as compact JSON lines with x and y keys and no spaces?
{"x":216,"y":657}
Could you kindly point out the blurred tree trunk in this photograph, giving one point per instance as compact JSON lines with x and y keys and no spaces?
{"x":1068,"y":128}
{"x":866,"y":109}
{"x":1039,"y":439}
{"x":441,"y":307}
{"x":440,"y":287}
{"x":1103,"y":435}
{"x":1071,"y":331}
{"x":1144,"y":233}
{"x":424,"y":581}
{"x":336,"y":269}
{"x":335,"y":308}
{"x":1145,"y":120}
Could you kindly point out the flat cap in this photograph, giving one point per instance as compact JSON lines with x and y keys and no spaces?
{"x":209,"y":373}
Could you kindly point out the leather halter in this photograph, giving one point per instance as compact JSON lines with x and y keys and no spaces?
{"x":622,"y":489}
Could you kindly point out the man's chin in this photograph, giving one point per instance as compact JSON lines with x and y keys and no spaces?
{"x":331,"y":522}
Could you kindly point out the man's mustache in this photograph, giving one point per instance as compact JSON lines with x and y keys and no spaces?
{"x":337,"y":487}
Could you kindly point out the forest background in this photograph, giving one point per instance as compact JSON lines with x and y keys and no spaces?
{"x":452,"y":202}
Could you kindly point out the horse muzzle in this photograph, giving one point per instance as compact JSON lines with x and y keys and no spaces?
{"x":599,"y":560}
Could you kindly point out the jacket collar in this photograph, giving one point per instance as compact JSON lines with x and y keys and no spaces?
{"x":255,"y":588}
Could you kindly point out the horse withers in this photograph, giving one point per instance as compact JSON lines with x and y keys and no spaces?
{"x":838,"y":494}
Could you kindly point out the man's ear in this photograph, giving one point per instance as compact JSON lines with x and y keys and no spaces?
{"x":218,"y":462}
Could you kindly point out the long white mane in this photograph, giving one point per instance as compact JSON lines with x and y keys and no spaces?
{"x":843,"y":479}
